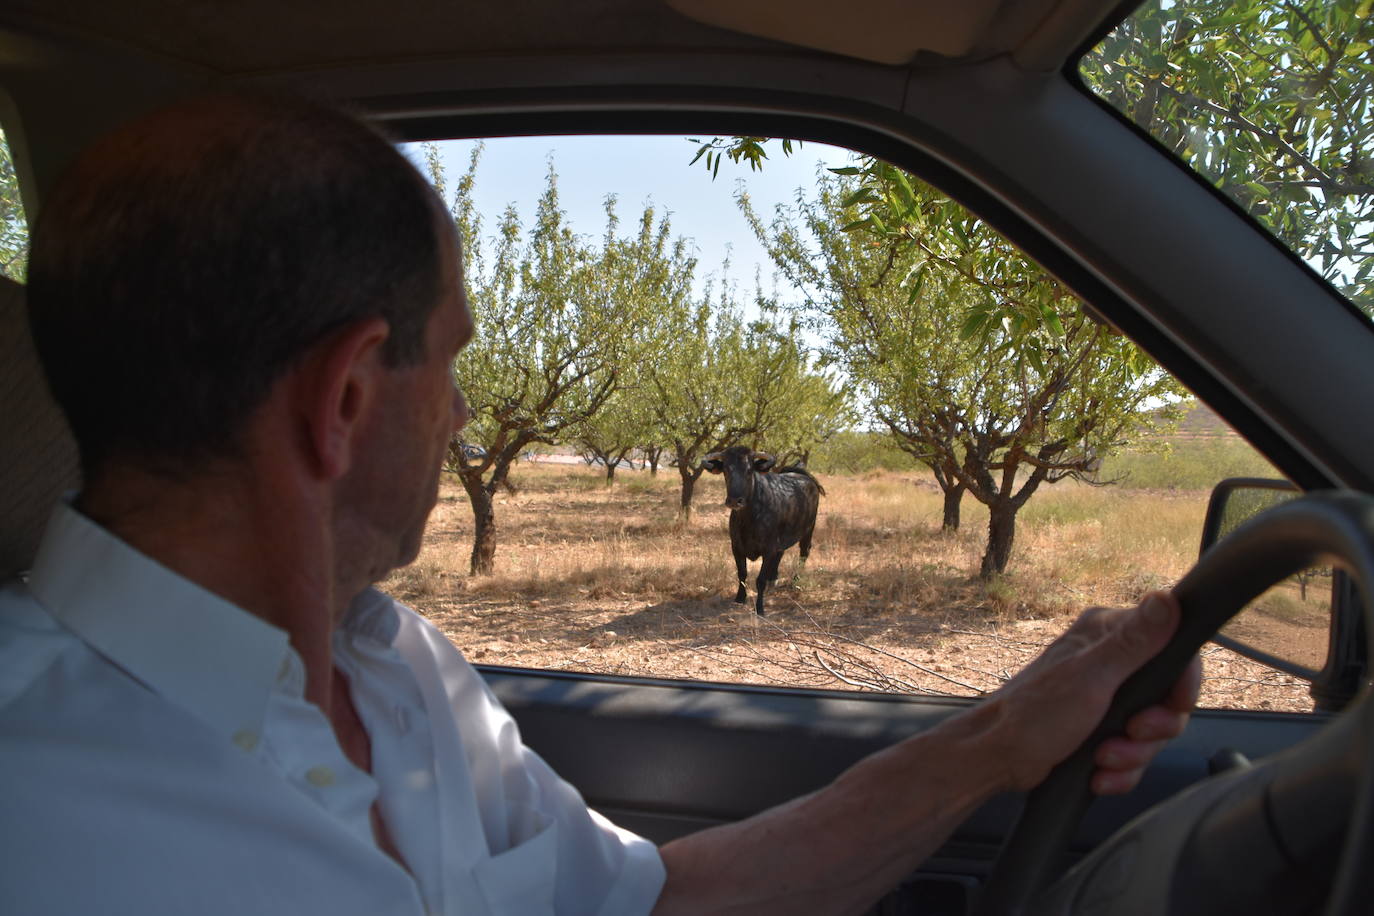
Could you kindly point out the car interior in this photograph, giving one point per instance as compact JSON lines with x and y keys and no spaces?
{"x":980,"y":99}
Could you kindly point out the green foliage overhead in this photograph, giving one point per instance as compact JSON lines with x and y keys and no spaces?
{"x":14,"y":227}
{"x":1269,"y":101}
{"x":1273,"y":102}
{"x":752,"y":150}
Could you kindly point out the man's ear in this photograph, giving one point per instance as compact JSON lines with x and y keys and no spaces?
{"x":339,"y":381}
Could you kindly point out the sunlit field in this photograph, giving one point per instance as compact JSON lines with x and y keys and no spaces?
{"x":610,"y":580}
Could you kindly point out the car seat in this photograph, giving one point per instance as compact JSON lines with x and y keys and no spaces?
{"x":38,"y":458}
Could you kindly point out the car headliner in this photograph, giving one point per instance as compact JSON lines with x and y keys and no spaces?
{"x":263,"y":35}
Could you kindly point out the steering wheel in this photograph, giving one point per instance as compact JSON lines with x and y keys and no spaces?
{"x":1289,"y":819}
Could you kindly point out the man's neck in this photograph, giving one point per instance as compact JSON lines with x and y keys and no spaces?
{"x":265,"y":547}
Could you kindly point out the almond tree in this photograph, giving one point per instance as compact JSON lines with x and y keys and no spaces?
{"x":979,"y":364}
{"x":615,"y":431}
{"x":722,"y":381}
{"x":557,"y":318}
{"x":654,"y":276}
{"x":692,"y":387}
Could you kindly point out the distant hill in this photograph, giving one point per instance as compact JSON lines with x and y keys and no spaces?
{"x":1201,"y":422}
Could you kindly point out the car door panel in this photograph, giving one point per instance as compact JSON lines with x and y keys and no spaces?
{"x":666,"y":758}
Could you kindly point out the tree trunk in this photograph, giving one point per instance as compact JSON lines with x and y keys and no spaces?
{"x":610,"y":472}
{"x":947,"y":476}
{"x":689,"y":484}
{"x":484,"y":526}
{"x":953,"y":498}
{"x":1001,"y":534}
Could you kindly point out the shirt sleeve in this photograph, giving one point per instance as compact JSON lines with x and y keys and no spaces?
{"x":538,"y":827}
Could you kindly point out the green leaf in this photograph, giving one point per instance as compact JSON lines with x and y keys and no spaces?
{"x":846,"y":170}
{"x":917,"y":284}
{"x":973,"y":326}
{"x":1053,"y":323}
{"x":861,"y":196}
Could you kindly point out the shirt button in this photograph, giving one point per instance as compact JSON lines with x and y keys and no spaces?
{"x":320,"y":777}
{"x":246,"y":739}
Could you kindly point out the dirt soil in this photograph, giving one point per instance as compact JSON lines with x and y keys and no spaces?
{"x":583,"y":587}
{"x":715,"y":639}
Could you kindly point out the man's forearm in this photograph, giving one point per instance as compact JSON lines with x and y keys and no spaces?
{"x":839,"y":849}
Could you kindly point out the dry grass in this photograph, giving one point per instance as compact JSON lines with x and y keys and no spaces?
{"x":610,"y":581}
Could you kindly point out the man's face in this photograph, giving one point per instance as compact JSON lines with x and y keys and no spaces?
{"x":396,"y":484}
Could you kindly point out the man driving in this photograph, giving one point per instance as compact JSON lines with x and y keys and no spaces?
{"x":248,"y":309}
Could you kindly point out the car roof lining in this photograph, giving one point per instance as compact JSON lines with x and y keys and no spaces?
{"x":229,"y":38}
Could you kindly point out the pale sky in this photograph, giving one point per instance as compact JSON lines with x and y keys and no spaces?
{"x":640,"y":170}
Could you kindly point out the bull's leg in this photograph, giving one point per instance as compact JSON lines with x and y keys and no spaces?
{"x":741,"y":576}
{"x":804,"y":550}
{"x":768,"y":572}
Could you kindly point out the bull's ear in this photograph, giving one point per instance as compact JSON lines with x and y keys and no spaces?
{"x":713,"y":463}
{"x":762,"y":461}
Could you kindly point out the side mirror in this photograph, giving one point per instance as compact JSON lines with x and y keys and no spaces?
{"x":1239,"y":499}
{"x":1309,"y":626}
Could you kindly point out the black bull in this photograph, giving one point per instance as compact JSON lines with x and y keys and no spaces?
{"x":769,"y":512}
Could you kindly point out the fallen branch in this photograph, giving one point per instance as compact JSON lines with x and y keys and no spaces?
{"x":906,"y":661}
{"x":840,"y":677}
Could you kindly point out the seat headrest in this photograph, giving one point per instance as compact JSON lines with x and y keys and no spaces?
{"x":38,"y":458}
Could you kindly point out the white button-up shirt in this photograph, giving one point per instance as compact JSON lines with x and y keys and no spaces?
{"x":157,"y":755}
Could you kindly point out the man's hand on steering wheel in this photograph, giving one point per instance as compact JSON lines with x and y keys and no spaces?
{"x":1056,"y":702}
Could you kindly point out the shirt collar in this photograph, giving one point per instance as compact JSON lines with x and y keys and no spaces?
{"x":191,"y":647}
{"x":372,"y":615}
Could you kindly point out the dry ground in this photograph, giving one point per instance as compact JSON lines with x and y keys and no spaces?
{"x":610,"y":581}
